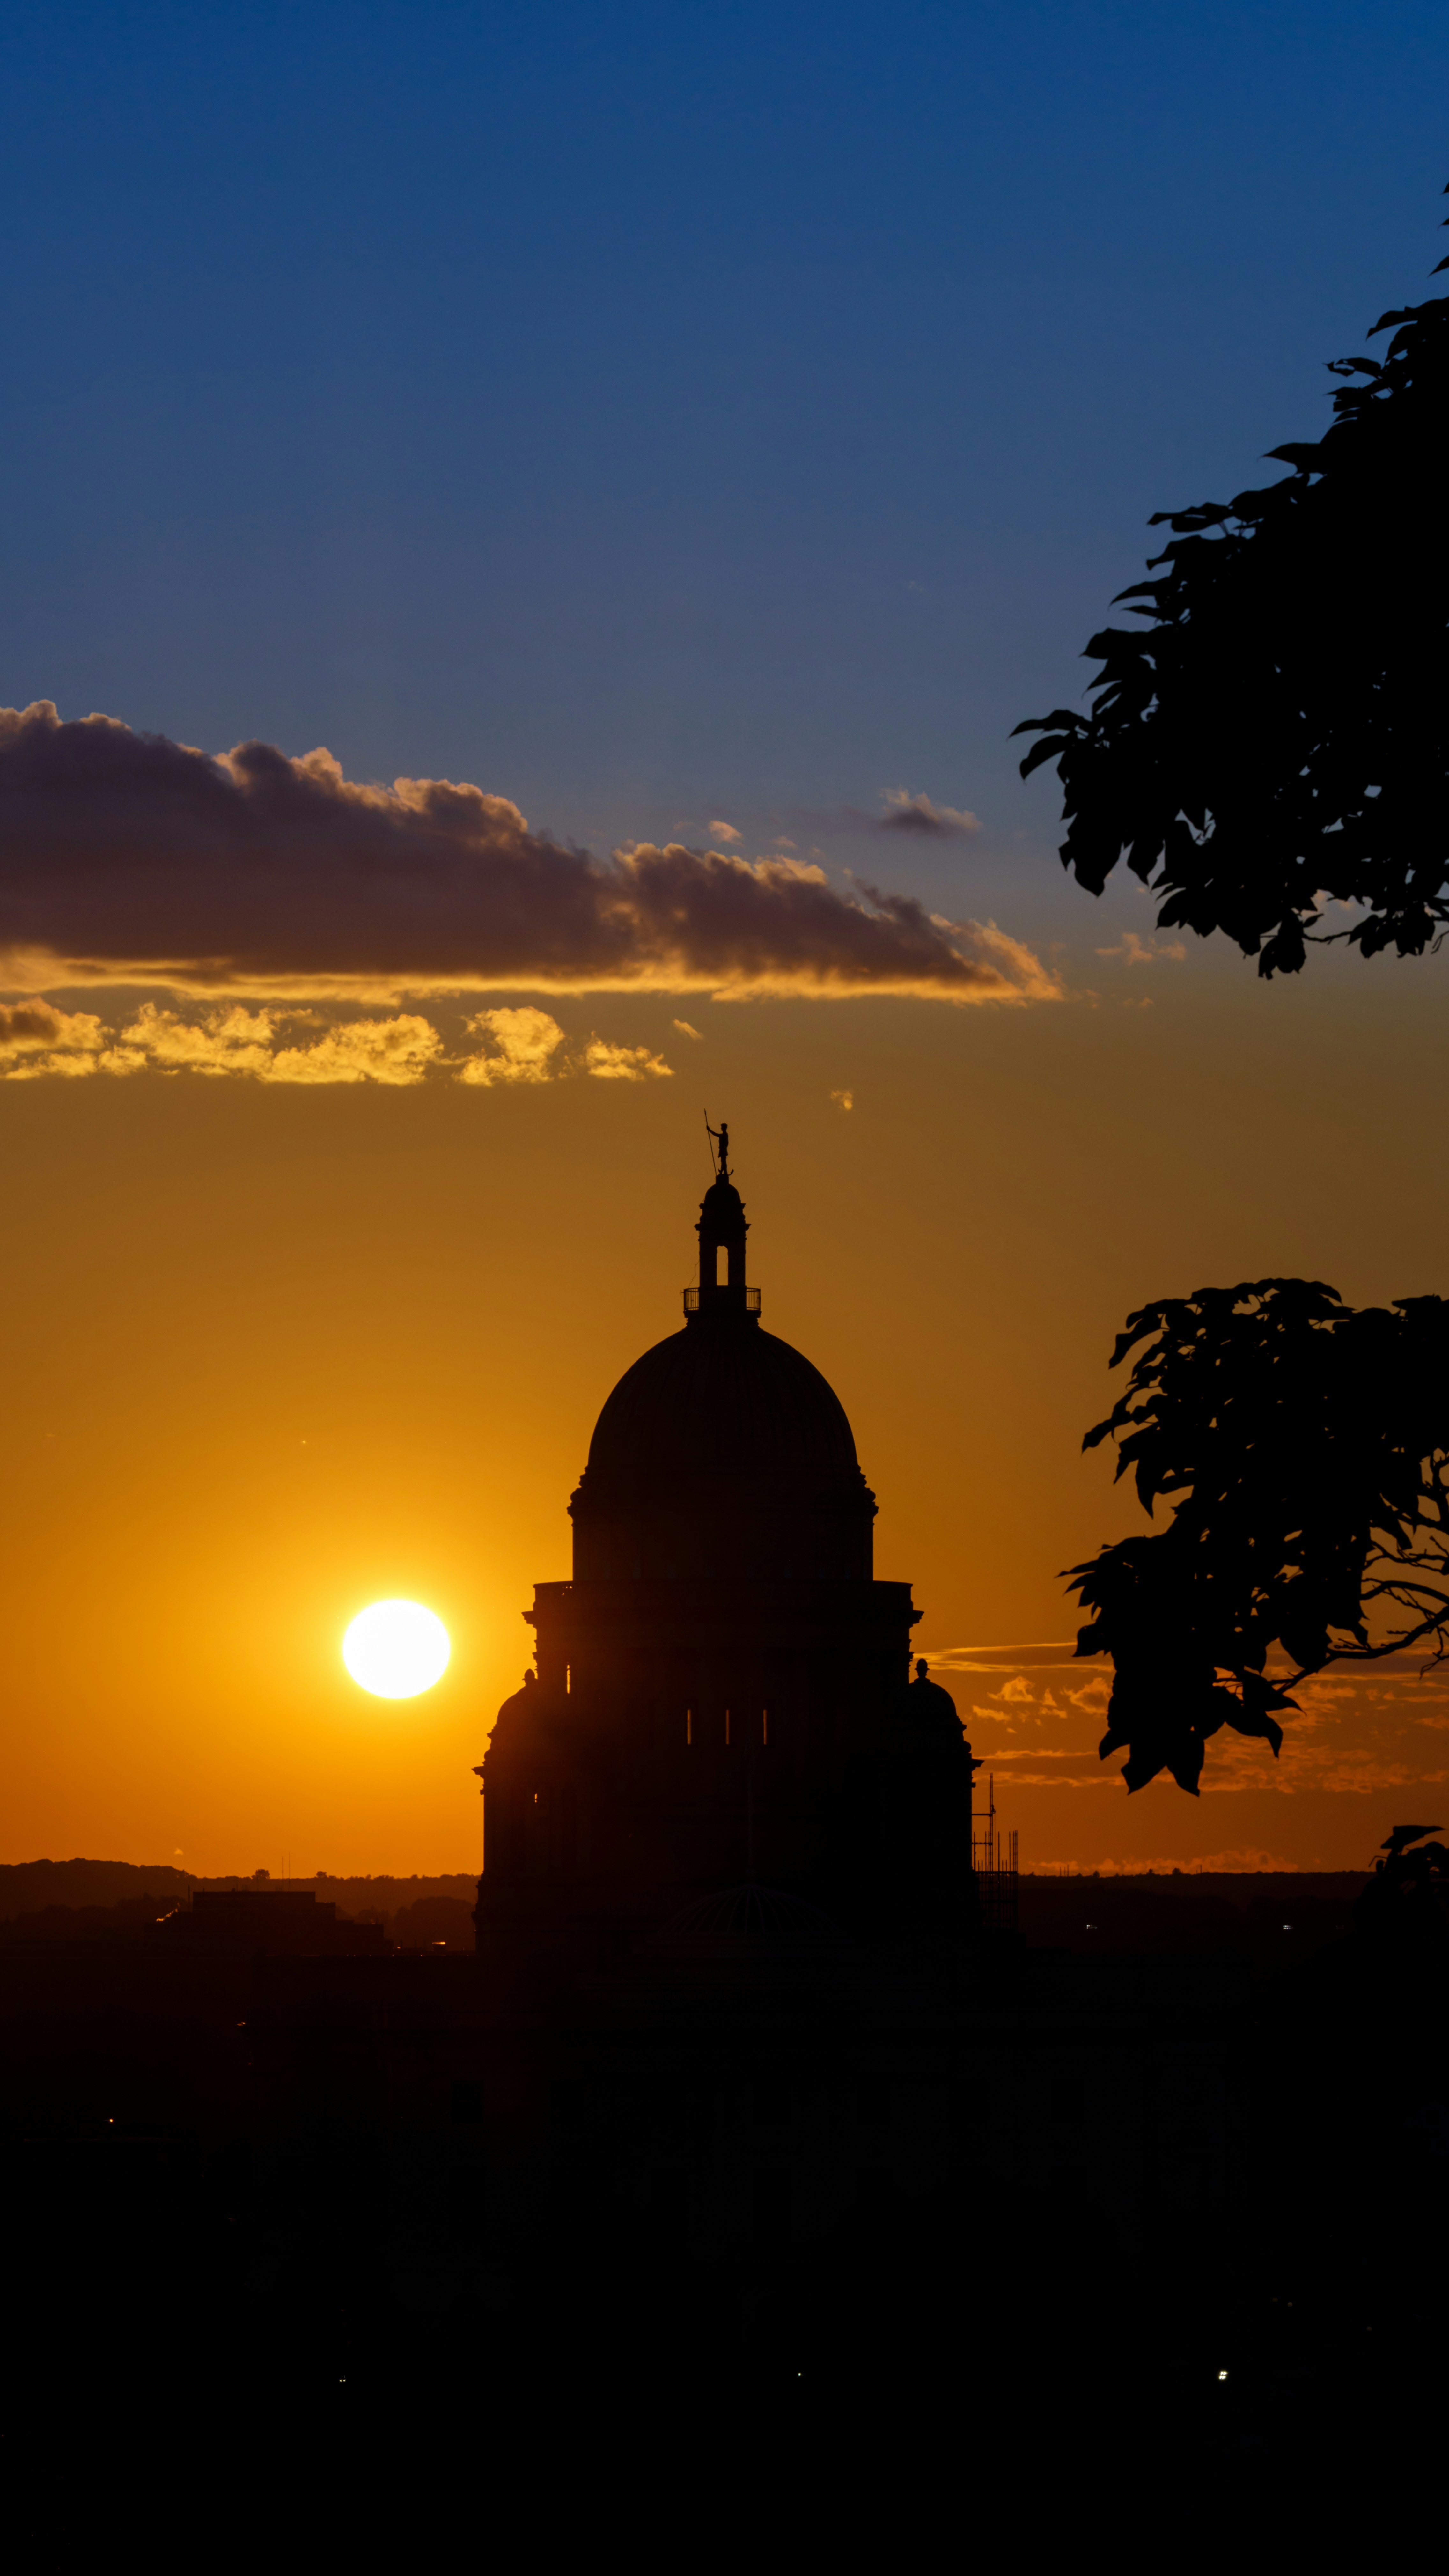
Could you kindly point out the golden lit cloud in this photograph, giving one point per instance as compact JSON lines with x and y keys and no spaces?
{"x":520,"y":1046}
{"x":525,"y":1045}
{"x":235,"y":1041}
{"x":395,"y":1051}
{"x":622,"y":1063}
{"x":35,"y":1038}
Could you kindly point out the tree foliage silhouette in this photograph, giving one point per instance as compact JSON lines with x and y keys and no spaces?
{"x":1279,"y":732}
{"x":1309,"y":1445}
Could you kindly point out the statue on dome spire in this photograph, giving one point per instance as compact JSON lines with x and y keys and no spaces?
{"x":719,"y":1136}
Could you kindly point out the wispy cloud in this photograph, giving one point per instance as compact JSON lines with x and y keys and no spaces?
{"x":1135,"y":951}
{"x":130,"y":859}
{"x":1357,"y":1728}
{"x":725,"y":832}
{"x":686,"y":1031}
{"x":908,"y":812}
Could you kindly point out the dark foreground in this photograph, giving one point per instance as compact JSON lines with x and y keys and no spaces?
{"x":1054,"y":2213}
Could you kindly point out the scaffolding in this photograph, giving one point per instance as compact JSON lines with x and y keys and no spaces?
{"x":995,"y":1875}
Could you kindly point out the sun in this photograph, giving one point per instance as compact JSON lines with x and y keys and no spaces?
{"x":396,"y":1649}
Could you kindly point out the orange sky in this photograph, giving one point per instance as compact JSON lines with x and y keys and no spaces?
{"x":276,"y":1351}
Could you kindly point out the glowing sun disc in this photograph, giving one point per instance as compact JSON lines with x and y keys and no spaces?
{"x":396,"y":1649}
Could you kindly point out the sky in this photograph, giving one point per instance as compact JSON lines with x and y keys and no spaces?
{"x":556,"y":513}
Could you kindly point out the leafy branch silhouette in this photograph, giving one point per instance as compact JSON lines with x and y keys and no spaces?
{"x":1279,"y":733}
{"x":1308,"y":1444}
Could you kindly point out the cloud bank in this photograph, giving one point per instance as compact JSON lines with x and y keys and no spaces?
{"x":512,"y":1047}
{"x":126,"y":858}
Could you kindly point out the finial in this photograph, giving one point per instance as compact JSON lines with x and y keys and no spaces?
{"x":720,"y":1136}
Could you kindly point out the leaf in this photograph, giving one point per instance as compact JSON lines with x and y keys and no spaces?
{"x":1062,"y":716}
{"x":1040,"y":753}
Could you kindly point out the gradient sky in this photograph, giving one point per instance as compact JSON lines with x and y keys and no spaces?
{"x":697,"y":427}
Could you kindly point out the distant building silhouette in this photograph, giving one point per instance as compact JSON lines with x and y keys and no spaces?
{"x":722,"y":1692}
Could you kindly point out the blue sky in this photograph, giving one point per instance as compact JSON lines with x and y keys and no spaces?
{"x":657,"y":414}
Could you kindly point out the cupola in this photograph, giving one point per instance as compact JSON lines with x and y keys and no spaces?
{"x":722,"y":1229}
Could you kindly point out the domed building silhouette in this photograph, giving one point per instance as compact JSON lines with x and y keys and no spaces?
{"x":723,"y":1693}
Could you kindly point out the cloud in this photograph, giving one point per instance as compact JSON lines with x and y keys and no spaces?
{"x":391,"y":1051}
{"x":1145,"y":952}
{"x":35,"y":1038}
{"x":908,"y":813}
{"x":523,"y":1047}
{"x":686,"y":1031}
{"x":1358,"y":1729}
{"x":235,"y":1041}
{"x":130,"y":859}
{"x":622,"y":1063}
{"x":845,"y":1098}
{"x":1059,"y":1656}
{"x":725,"y":832}
{"x":517,"y":1046}
{"x":397,"y":1051}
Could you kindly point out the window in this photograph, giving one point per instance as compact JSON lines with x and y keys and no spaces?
{"x":764,"y":1726}
{"x":689,"y":1726}
{"x":721,"y":1265}
{"x":727,"y":1726}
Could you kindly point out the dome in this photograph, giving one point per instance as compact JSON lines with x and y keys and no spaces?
{"x":722,"y":1451}
{"x":721,"y":1399}
{"x":933,"y":1712}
